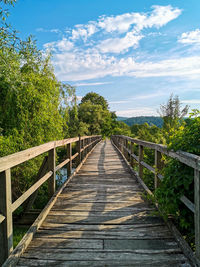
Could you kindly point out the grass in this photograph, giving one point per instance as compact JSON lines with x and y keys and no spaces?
{"x":18,"y":233}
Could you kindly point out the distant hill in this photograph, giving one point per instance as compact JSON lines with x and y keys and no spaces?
{"x":122,"y":118}
{"x":158,"y":121}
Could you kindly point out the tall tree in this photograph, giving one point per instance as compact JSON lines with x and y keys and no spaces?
{"x":172,"y":113}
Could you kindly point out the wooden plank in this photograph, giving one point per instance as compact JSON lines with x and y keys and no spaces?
{"x":130,"y":219}
{"x":30,"y":191}
{"x":6,"y":227}
{"x":144,"y":244}
{"x":66,"y":243}
{"x":63,"y":254}
{"x":107,"y":234}
{"x":111,"y":263}
{"x":62,"y":164}
{"x":101,"y":227}
{"x":22,"y":156}
{"x":2,"y":218}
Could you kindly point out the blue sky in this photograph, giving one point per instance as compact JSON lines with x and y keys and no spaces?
{"x":134,"y":53}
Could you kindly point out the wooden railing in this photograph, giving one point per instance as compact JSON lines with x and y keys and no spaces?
{"x":126,"y":146}
{"x":46,"y":172}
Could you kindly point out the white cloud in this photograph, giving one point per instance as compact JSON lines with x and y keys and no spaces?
{"x":117,"y":45}
{"x":91,"y":64}
{"x":92,"y":84}
{"x":84,"y":31}
{"x":160,"y":16}
{"x":191,"y":101}
{"x":120,"y":102}
{"x":97,"y":56}
{"x":142,"y":111}
{"x":190,"y":37}
{"x":46,"y":30}
{"x":61,"y":46}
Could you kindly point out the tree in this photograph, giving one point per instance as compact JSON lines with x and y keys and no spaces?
{"x":95,"y":99}
{"x":94,"y":112}
{"x":172,"y":113}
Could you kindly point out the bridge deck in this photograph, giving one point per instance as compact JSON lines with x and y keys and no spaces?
{"x":101,"y":219}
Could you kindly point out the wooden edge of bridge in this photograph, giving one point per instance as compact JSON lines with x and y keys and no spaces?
{"x":177,"y":235}
{"x":23,"y":244}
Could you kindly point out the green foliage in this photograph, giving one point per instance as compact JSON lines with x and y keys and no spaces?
{"x":95,"y":99}
{"x":172,"y":115}
{"x":18,"y":233}
{"x":32,"y":103}
{"x":178,"y":178}
{"x":121,"y":128}
{"x":95,"y":116}
{"x":151,"y":120}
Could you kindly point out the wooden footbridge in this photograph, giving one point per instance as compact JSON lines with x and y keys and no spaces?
{"x":99,"y":217}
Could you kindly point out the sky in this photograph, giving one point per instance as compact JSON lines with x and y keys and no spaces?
{"x":133,"y":53}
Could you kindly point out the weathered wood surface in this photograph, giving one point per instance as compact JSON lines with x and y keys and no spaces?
{"x":101,"y":219}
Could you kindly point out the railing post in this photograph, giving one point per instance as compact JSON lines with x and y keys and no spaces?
{"x":158,"y":165}
{"x":141,"y":155}
{"x":79,"y":150}
{"x":126,"y":146}
{"x":83,"y":152}
{"x":52,"y":167}
{"x":132,"y":151}
{"x":6,"y":227}
{"x":197,"y":211}
{"x":122,"y":146}
{"x":69,"y":156}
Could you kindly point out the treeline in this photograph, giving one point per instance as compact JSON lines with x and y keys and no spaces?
{"x":151,"y":120}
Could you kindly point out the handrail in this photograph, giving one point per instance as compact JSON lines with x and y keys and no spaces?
{"x":189,"y":159}
{"x":46,"y":172}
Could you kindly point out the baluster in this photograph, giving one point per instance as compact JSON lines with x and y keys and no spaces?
{"x":79,"y":150}
{"x":6,"y":227}
{"x":141,"y":156}
{"x":52,"y":167}
{"x":132,"y":151}
{"x":158,"y":165}
{"x":69,"y":156}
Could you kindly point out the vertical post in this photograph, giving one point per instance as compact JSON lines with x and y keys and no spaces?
{"x":79,"y":150}
{"x":69,"y":156}
{"x":197,"y":211}
{"x":122,"y":145}
{"x":83,"y":153}
{"x":141,"y":155}
{"x":158,"y":165}
{"x":132,"y":151}
{"x":6,"y":227}
{"x":126,"y":146}
{"x":52,"y":167}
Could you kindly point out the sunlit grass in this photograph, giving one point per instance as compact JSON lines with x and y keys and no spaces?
{"x":18,"y":233}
